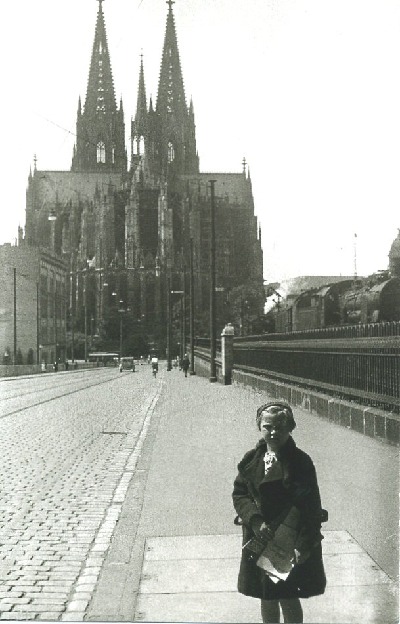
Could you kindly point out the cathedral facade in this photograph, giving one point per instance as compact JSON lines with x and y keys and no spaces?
{"x":126,"y":226}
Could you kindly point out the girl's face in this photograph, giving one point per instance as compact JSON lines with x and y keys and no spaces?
{"x":274,"y":430}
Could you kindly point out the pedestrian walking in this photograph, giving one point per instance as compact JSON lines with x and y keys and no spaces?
{"x":185,"y":364}
{"x":154,"y":365}
{"x":276,"y":497}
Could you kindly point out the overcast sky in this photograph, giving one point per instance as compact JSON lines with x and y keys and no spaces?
{"x":307,"y":90}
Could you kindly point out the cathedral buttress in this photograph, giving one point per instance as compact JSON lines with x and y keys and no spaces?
{"x":100,"y":128}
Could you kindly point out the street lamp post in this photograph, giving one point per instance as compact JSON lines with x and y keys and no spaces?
{"x":91,"y":332}
{"x":191,"y":310}
{"x":213,"y":332}
{"x":120,"y":335}
{"x":182,"y":320}
{"x":15,"y":314}
{"x":85,"y":311}
{"x":72,"y":283}
{"x":37,"y":325}
{"x":121,"y":311}
{"x":55,"y":319}
{"x":169,"y":365}
{"x":183,"y":315}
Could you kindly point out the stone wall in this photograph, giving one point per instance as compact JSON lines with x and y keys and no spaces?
{"x":370,"y":421}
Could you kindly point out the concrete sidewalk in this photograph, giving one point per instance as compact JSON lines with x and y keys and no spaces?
{"x":175,"y":553}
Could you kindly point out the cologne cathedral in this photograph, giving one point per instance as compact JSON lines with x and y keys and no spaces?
{"x":128,"y":224}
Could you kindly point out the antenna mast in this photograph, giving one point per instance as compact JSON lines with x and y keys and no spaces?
{"x":355,"y":256}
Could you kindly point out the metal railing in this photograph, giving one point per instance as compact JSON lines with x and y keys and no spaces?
{"x":354,"y":362}
{"x":362,"y":330}
{"x":364,"y":370}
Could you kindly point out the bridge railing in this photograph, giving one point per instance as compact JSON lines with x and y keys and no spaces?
{"x":362,"y":330}
{"x":363,"y":369}
{"x":360,"y":363}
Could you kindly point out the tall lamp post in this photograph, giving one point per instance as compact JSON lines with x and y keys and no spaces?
{"x":213,"y":332}
{"x":15,"y":315}
{"x":191,"y":310}
{"x":52,"y":217}
{"x":169,"y":365}
{"x":183,"y":314}
{"x":182,"y":320}
{"x":121,"y":311}
{"x":85,"y":312}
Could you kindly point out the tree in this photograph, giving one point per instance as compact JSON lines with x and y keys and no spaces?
{"x":246,"y":306}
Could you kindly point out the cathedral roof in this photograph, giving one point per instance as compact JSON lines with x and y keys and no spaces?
{"x":233,"y":186}
{"x":63,"y":186}
{"x":100,"y":95}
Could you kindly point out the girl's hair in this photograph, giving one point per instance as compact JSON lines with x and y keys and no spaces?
{"x":277,"y":408}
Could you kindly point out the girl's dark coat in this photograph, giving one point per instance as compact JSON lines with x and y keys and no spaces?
{"x":300,"y":481}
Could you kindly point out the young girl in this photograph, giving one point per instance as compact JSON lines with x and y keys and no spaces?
{"x":277,"y":500}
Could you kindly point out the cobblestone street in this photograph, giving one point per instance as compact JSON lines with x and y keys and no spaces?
{"x":116,"y":502}
{"x":66,"y":464}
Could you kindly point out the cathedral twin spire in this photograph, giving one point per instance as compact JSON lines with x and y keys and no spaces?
{"x":100,"y":128}
{"x":171,"y":93}
{"x":169,"y":130}
{"x":100,"y":95}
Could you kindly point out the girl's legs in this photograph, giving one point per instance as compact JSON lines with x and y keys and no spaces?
{"x":270,"y":611}
{"x":292,"y":611}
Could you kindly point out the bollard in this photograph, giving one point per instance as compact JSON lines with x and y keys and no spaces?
{"x":227,"y":353}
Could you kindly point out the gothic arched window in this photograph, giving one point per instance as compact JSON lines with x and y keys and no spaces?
{"x":141,"y":145}
{"x":101,"y":152}
{"x":113,"y":154}
{"x":135,"y":145}
{"x":171,"y":152}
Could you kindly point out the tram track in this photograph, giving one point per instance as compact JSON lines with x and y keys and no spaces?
{"x":67,"y":380}
{"x":52,"y":398}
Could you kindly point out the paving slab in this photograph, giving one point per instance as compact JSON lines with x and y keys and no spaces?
{"x":193,"y":579}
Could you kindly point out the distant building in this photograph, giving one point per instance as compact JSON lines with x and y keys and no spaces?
{"x":129,"y":225}
{"x":289,"y":289}
{"x":394,"y":257}
{"x":33,"y":285}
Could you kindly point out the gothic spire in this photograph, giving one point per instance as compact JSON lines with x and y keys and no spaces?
{"x":141,"y":106}
{"x":171,"y":93}
{"x":100,"y":128}
{"x":100,"y":95}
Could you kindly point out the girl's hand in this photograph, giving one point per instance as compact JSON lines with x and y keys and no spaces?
{"x":262,"y":531}
{"x":302,"y":556}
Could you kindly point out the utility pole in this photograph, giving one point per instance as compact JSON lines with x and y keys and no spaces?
{"x":55,"y":317}
{"x":169,"y":365}
{"x":85,"y":312}
{"x":120,"y":335}
{"x":183,"y":313}
{"x":191,"y":310}
{"x":15,"y":314}
{"x":213,"y":332}
{"x":37,"y":325}
{"x":72,"y":296}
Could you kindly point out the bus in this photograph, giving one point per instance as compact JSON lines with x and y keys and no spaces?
{"x":104,"y":358}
